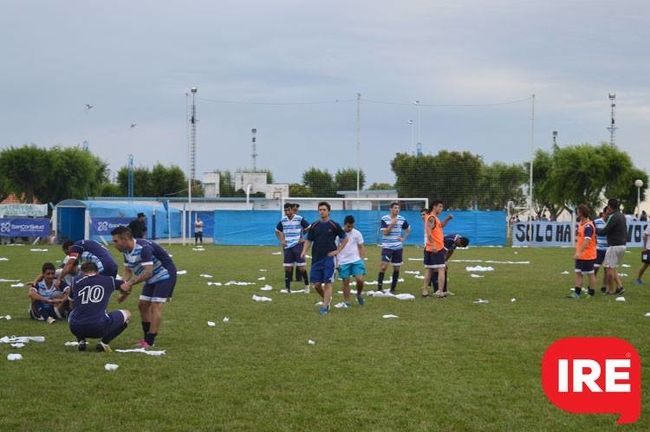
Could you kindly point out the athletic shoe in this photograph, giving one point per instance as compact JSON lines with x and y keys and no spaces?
{"x":348,"y":305}
{"x":82,"y":345}
{"x":50,"y":320}
{"x":573,"y":295}
{"x":603,"y":290}
{"x":143,"y":344}
{"x":440,"y":294}
{"x":324,"y":310}
{"x":619,"y":291}
{"x":360,"y":300}
{"x":102,"y":347}
{"x":639,"y":282}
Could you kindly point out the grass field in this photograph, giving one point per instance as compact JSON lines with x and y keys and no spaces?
{"x":447,"y":365}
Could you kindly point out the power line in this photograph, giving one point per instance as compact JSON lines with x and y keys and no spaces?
{"x":510,"y":102}
{"x":242,"y":102}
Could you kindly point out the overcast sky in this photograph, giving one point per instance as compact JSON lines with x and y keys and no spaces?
{"x":135,"y":60}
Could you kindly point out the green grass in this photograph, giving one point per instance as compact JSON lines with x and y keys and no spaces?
{"x":446,"y":365}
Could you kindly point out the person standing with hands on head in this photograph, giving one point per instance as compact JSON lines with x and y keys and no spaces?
{"x":395,"y":230}
{"x":435,"y":253}
{"x":138,"y":226}
{"x":322,"y":235}
{"x":645,"y":255}
{"x":198,"y":231}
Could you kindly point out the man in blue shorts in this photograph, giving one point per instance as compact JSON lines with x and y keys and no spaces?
{"x":322,"y":234}
{"x":350,"y":261}
{"x":145,"y":261}
{"x":395,"y":230}
{"x":83,"y":251}
{"x":452,"y":241}
{"x":49,"y":299}
{"x":89,"y":318}
{"x":289,"y":232}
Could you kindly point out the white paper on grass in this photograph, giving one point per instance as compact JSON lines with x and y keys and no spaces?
{"x":38,"y":250}
{"x":620,"y":299}
{"x":7,"y":317}
{"x":18,"y":285}
{"x":17,"y":345}
{"x":626,"y":265}
{"x":23,"y":339}
{"x":261,"y":298}
{"x":479,"y":269}
{"x":476,"y":276}
{"x":143,"y":351}
{"x":266,"y":288}
{"x":622,"y":274}
{"x":512,"y":300}
{"x":402,"y":296}
{"x":226,"y":319}
{"x":647,"y":314}
{"x":300,"y":291}
{"x":565,"y":272}
{"x":413,"y":272}
{"x":276,"y":253}
{"x":262,"y":278}
{"x":239,"y":283}
{"x":419,"y":277}
{"x":205,"y":275}
{"x":467,"y":260}
{"x":311,"y":342}
{"x":4,"y":259}
{"x":400,"y":280}
{"x":181,"y":272}
{"x":215,"y":283}
{"x":111,"y":367}
{"x":211,"y":324}
{"x":71,"y":343}
{"x":198,"y":249}
{"x":389,"y":316}
{"x":320,"y":303}
{"x":14,"y":357}
{"x":263,"y":270}
{"x":506,"y":262}
{"x":481,"y":301}
{"x":371,"y":283}
{"x":9,"y":280}
{"x":416,"y":259}
{"x":341,"y":305}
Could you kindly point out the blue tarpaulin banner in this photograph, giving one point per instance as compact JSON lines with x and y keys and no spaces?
{"x":24,"y":227}
{"x":102,"y":226}
{"x":483,"y":228}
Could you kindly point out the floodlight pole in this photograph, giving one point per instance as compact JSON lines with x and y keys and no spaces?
{"x":532,"y":157}
{"x":191,"y":159}
{"x":358,"y":133}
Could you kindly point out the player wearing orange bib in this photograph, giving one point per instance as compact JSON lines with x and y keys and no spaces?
{"x":434,"y":250}
{"x":585,"y":255}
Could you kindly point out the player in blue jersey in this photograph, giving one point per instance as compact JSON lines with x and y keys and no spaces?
{"x":89,"y":318}
{"x":83,"y":251}
{"x":49,"y":299}
{"x":146,"y":262}
{"x":322,"y":235}
{"x":289,"y":232}
{"x":601,"y":248}
{"x":394,"y":232}
{"x":452,"y":241}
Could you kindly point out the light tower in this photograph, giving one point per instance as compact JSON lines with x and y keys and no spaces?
{"x":554,"y":138}
{"x":193,"y":136}
{"x":612,"y":126}
{"x":254,"y":142}
{"x":130,"y":179}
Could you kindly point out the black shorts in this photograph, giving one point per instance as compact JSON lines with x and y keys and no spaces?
{"x":600,"y":257}
{"x":435,"y":260}
{"x":585,"y":266}
{"x":393,"y":256}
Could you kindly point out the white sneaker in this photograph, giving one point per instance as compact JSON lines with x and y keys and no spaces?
{"x":50,"y":320}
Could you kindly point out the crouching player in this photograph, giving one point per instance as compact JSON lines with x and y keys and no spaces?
{"x":350,"y":261}
{"x":452,"y":241}
{"x":49,"y":299}
{"x":585,"y":255}
{"x":89,"y":318}
{"x":146,"y":261}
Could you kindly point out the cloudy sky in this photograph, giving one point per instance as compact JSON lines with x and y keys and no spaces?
{"x":135,"y":61}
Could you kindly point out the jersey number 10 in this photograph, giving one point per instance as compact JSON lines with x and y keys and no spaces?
{"x":92,"y":294}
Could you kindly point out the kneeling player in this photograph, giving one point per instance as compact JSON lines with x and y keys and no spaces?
{"x":49,"y":300}
{"x":350,"y":261}
{"x":89,"y":318}
{"x":585,"y":255}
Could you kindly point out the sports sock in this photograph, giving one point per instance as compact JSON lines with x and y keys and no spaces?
{"x":359,"y":287}
{"x":591,"y":291}
{"x":393,"y":282}
{"x":287,"y":278}
{"x":578,"y":290}
{"x":380,"y":281}
{"x":145,"y":327}
{"x":298,"y":274}
{"x":151,"y":338}
{"x":305,"y":278}
{"x":434,"y":281}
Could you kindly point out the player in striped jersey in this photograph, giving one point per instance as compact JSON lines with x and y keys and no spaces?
{"x":601,"y":249}
{"x":395,"y":229}
{"x":145,"y":261}
{"x":289,"y":232}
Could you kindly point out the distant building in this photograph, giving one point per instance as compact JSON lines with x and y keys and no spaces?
{"x":211,"y":181}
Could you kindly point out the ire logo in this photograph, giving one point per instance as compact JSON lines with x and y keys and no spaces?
{"x":594,"y":375}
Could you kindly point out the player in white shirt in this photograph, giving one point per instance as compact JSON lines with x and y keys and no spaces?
{"x":350,"y":261}
{"x":645,"y":254}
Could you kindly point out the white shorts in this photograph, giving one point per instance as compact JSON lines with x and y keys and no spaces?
{"x":614,"y":256}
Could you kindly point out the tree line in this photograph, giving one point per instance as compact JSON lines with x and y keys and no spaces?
{"x":562,"y":178}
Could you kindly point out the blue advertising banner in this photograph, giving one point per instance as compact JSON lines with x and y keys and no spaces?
{"x":102,"y":226}
{"x":24,"y":227}
{"x":555,"y":234}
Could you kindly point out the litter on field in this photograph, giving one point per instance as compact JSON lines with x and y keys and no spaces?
{"x":215,"y":283}
{"x":266,"y":288}
{"x":17,"y":285}
{"x":311,"y":342}
{"x":389,"y":316}
{"x":205,"y":275}
{"x":226,"y":319}
{"x":620,"y":299}
{"x":111,"y":367}
{"x":7,"y":317}
{"x":181,"y":272}
{"x":476,"y":276}
{"x":479,"y":269}
{"x":9,"y":280}
{"x":142,"y":351}
{"x":23,"y":339}
{"x":14,"y":357}
{"x":17,"y":345}
{"x":38,"y":250}
{"x":262,"y":278}
{"x":481,"y":301}
{"x":261,"y":298}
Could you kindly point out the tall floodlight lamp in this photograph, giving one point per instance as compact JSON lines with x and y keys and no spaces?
{"x":554,"y":138}
{"x":191,"y":158}
{"x":639,"y":184}
{"x":612,"y":124}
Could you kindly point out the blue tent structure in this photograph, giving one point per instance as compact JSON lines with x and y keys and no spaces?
{"x":76,"y":219}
